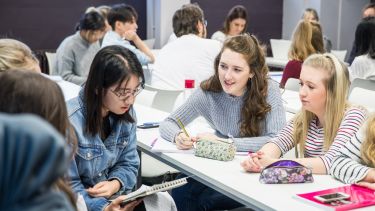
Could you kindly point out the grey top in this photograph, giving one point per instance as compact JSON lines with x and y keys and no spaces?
{"x":223,"y":113}
{"x":74,"y":57}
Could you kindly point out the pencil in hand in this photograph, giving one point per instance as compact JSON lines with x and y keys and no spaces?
{"x":182,"y":127}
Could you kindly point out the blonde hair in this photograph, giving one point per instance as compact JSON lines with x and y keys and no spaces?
{"x":337,"y":86}
{"x":368,"y":146}
{"x":16,"y":55}
{"x":307,"y":39}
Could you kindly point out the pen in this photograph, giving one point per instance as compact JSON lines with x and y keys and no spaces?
{"x":153,"y":142}
{"x":182,"y":127}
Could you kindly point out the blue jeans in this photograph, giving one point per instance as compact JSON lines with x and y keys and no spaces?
{"x":196,"y":196}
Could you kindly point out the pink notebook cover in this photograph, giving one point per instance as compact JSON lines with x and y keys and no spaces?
{"x":359,"y":196}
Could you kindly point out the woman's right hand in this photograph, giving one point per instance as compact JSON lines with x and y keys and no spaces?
{"x":252,"y":163}
{"x":183,"y":141}
{"x":115,"y":205}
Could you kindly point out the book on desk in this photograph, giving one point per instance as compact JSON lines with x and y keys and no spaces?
{"x":358,"y":197}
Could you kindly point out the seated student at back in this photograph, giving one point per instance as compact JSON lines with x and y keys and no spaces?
{"x":123,"y":20}
{"x":307,"y":39}
{"x":190,"y":56}
{"x":325,"y":123}
{"x":107,"y":162}
{"x":235,"y":24}
{"x":76,"y":52}
{"x":356,"y":162}
{"x":239,"y":100}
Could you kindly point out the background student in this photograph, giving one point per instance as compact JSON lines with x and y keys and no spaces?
{"x":235,"y":24}
{"x":123,"y":20}
{"x":311,"y":15}
{"x":106,"y":163}
{"x":17,"y":55}
{"x":29,"y":92}
{"x":307,"y":39}
{"x":363,"y":65}
{"x":356,"y":162}
{"x":324,"y":124}
{"x":76,"y":52}
{"x":239,"y":100}
{"x":190,"y":56}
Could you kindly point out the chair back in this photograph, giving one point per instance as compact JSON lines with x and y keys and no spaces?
{"x":51,"y":57}
{"x":164,"y":100}
{"x":280,"y":48}
{"x":339,"y":54}
{"x":362,"y":92}
{"x":292,"y":84}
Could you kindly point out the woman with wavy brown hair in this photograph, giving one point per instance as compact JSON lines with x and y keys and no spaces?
{"x":356,"y":163}
{"x":238,"y":100}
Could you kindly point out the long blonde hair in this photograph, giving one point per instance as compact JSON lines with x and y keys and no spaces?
{"x":16,"y":55}
{"x":368,"y":146}
{"x":307,"y":39}
{"x":337,"y":86}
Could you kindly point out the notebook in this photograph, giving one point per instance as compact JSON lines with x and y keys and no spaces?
{"x":145,"y":190}
{"x":280,"y":48}
{"x":359,"y":197}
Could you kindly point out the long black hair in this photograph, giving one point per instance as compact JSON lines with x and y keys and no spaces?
{"x":111,"y":65}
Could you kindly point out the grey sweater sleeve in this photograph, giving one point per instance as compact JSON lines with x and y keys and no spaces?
{"x":65,"y":66}
{"x":186,"y":113}
{"x":275,"y":121}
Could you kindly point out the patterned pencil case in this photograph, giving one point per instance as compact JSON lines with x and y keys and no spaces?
{"x":285,"y":172}
{"x":223,"y":150}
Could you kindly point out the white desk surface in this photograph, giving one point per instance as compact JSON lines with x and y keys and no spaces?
{"x":228,"y":177}
{"x":273,"y":62}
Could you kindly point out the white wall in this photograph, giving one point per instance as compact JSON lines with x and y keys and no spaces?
{"x":338,"y":19}
{"x":159,"y":19}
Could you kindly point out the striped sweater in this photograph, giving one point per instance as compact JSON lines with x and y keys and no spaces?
{"x":347,"y":166}
{"x":223,"y":113}
{"x":352,"y":121}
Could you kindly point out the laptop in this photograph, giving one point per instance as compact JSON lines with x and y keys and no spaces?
{"x":280,"y":48}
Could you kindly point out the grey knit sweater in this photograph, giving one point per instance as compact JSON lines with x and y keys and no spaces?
{"x":223,"y":113}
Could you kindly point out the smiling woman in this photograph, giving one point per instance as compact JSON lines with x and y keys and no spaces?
{"x":238,"y":100}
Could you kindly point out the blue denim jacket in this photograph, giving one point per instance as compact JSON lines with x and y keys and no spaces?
{"x":96,"y":160}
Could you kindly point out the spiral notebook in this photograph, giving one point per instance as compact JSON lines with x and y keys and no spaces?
{"x":145,"y":190}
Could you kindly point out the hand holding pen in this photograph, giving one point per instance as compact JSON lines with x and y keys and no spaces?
{"x":183,"y":140}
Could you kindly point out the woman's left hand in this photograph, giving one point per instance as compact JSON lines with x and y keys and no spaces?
{"x":104,"y":189}
{"x":369,"y":185}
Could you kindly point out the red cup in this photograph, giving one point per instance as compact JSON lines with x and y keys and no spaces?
{"x":189,"y":84}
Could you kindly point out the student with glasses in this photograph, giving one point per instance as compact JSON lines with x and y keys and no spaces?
{"x":107,"y":162}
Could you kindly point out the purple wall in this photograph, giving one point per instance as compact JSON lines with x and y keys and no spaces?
{"x":43,"y":24}
{"x":264,"y":16}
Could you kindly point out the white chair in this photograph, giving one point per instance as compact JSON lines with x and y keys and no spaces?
{"x":150,"y":43}
{"x":339,"y":54}
{"x":362,"y":92}
{"x":292,"y":84}
{"x":280,"y":48}
{"x":51,"y":57}
{"x":163,"y":100}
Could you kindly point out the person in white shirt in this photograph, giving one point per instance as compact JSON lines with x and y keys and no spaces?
{"x":235,"y":24}
{"x":17,"y":55}
{"x":363,"y":65}
{"x":190,"y":56}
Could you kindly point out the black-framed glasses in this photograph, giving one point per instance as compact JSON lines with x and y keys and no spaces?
{"x":124,"y":94}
